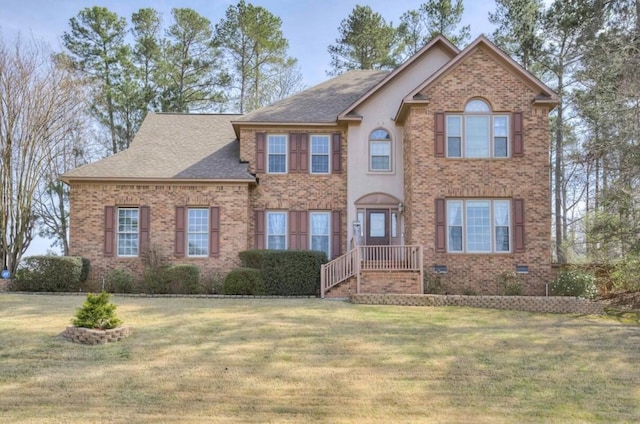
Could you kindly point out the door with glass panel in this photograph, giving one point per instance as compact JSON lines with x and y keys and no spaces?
{"x":377,"y":227}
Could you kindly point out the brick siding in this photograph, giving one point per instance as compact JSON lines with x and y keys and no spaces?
{"x":527,"y":177}
{"x":87,"y":221}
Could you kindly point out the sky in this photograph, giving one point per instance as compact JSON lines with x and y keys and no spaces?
{"x":309,"y":25}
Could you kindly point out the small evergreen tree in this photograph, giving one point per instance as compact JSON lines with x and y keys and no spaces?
{"x":97,"y":312}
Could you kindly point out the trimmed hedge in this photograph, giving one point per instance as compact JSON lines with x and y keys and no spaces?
{"x":252,"y":258}
{"x":287,"y":272}
{"x":244,"y":281}
{"x":51,"y":274}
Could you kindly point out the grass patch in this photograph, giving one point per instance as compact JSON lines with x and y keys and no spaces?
{"x":306,"y":360}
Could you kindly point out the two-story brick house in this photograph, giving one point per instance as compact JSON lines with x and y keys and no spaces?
{"x":440,"y":165}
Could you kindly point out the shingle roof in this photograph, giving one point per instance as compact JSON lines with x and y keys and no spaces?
{"x":321,"y":103}
{"x":174,"y":146}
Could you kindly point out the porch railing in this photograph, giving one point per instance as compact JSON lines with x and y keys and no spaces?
{"x":370,"y":258}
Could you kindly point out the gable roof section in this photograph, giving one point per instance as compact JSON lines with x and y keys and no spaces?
{"x":436,"y":41}
{"x":546,"y":94}
{"x":172,"y":146}
{"x":319,"y":104}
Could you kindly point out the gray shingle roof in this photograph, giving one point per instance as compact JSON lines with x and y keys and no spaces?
{"x":321,"y":103}
{"x":175,"y":146}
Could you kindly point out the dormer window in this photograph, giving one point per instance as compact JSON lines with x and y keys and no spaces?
{"x":477,"y":133}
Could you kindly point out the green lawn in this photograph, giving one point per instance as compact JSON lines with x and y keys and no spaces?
{"x":259,"y":360}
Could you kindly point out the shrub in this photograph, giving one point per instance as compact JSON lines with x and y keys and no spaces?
{"x":183,"y":279}
{"x":292,"y":272}
{"x":119,"y":281}
{"x":97,"y":312}
{"x":156,"y":279}
{"x":287,"y":272}
{"x":626,"y":274}
{"x":49,"y":274}
{"x":252,"y":258}
{"x":244,"y":281}
{"x":212,"y":283}
{"x":433,"y":284}
{"x":510,"y":283}
{"x":86,"y":267}
{"x":574,"y":282}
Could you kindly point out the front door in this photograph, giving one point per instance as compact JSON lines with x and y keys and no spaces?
{"x":377,"y":227}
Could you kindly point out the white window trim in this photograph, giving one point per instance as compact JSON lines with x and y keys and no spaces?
{"x":286,"y":153}
{"x":328,"y":215}
{"x":286,"y":229}
{"x":492,"y":136}
{"x":118,"y":232}
{"x":492,"y":232}
{"x":206,"y":232}
{"x":311,"y":155}
{"x":390,"y":168}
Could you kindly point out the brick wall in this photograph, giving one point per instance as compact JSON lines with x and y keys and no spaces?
{"x":540,"y":304}
{"x":390,"y":282}
{"x":289,"y":192}
{"x":428,"y":177}
{"x":87,"y":221}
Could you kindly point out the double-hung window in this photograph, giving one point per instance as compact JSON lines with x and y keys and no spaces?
{"x":478,"y":226}
{"x":277,"y":154}
{"x":128,"y":228}
{"x":380,"y":151}
{"x":477,"y":133}
{"x":198,"y":232}
{"x":319,"y":231}
{"x":319,"y":154}
{"x":277,"y":230}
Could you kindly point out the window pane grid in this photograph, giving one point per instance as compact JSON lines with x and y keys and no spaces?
{"x":277,"y":154}
{"x":128,"y":225}
{"x":481,"y":226}
{"x":319,"y":154}
{"x":380,"y":151}
{"x":484,"y":136}
{"x":276,"y":230}
{"x":198,"y":232}
{"x":319,"y":231}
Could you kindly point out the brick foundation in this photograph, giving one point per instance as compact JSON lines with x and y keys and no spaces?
{"x":90,"y":336}
{"x":540,"y":304}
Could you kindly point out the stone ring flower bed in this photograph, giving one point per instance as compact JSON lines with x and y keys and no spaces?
{"x":90,"y":336}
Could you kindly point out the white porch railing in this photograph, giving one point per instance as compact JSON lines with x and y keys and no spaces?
{"x":370,"y":258}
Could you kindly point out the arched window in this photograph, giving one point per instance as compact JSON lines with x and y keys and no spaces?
{"x":380,"y":150}
{"x":477,"y":133}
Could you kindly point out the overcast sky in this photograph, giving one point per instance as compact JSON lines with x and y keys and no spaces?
{"x":309,"y":25}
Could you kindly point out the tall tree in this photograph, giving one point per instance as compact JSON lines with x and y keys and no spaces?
{"x":190,"y":75}
{"x":39,"y":103}
{"x":145,"y":28}
{"x":563,"y":24}
{"x":443,"y":17}
{"x":366,"y":41}
{"x":256,"y":50}
{"x":609,"y":104}
{"x":96,"y":45}
{"x":519,"y":29}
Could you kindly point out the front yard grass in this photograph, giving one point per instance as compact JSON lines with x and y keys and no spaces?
{"x":194,"y":360}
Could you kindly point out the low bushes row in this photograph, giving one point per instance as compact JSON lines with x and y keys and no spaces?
{"x":51,"y":274}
